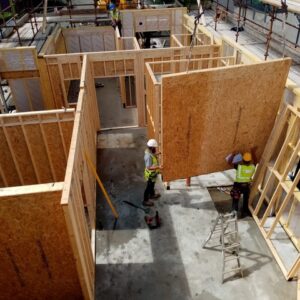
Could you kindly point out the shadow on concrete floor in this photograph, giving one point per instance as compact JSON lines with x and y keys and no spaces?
{"x":133,"y":262}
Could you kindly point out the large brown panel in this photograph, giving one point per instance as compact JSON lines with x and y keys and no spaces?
{"x":37,"y":261}
{"x":35,"y":145}
{"x":208,"y":114}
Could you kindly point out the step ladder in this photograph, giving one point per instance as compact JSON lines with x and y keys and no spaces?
{"x":225,"y":228}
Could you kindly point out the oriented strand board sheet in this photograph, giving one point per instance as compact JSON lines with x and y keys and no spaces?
{"x":208,"y":114}
{"x":36,"y":146}
{"x":37,"y":261}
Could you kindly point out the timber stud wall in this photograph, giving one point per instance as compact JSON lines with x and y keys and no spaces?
{"x":45,"y":241}
{"x":34,"y":147}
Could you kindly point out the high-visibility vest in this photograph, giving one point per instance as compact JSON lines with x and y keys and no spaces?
{"x":115,"y":15}
{"x":151,"y":174}
{"x":244,"y":173}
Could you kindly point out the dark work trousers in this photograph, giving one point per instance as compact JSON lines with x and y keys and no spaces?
{"x":149,"y":191}
{"x":119,"y":24}
{"x":243,"y":188}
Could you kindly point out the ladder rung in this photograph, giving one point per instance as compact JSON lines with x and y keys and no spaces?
{"x":229,"y":215}
{"x":235,"y":245}
{"x":233,"y":270}
{"x":230,"y":232}
{"x":232,"y":258}
{"x":217,"y":229}
{"x":277,"y":174}
{"x":229,"y":221}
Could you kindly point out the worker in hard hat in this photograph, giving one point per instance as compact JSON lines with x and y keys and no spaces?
{"x":152,"y":169}
{"x":115,"y":17}
{"x":244,"y":173}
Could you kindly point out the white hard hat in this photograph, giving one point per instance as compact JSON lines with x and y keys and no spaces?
{"x":152,"y":143}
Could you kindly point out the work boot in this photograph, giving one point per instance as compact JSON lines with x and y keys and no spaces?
{"x":155,"y":196}
{"x":148,"y":203}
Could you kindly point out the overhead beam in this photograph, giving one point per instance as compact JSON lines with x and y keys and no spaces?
{"x":20,"y":74}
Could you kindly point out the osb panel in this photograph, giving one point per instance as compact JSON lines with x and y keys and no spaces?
{"x":45,"y":85}
{"x":36,"y":257}
{"x":35,"y":151}
{"x":56,"y":86}
{"x":208,"y":114}
{"x":60,"y":46}
{"x":39,"y":153}
{"x":8,"y":167}
{"x":22,"y":155}
{"x":56,"y":149}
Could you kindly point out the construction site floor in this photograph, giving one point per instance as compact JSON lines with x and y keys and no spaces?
{"x":133,"y":262}
{"x":111,"y":112}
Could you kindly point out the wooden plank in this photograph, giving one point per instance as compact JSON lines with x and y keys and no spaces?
{"x":56,"y":85}
{"x":48,"y":268}
{"x":48,"y":97}
{"x":56,"y":144}
{"x":196,"y":109}
{"x":20,"y":74}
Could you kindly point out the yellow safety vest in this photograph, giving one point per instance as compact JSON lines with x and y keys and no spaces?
{"x":115,"y":15}
{"x":151,"y":174}
{"x":244,"y":173}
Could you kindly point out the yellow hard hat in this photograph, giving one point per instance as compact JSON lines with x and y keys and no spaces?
{"x":247,"y":156}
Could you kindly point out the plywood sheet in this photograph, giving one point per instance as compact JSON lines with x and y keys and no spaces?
{"x":37,"y":261}
{"x":208,"y":114}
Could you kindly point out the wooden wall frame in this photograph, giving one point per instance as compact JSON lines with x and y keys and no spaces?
{"x":58,"y":217}
{"x":143,"y":20}
{"x":118,"y":64}
{"x":80,"y":184}
{"x":34,"y":146}
{"x":275,"y":198}
{"x":184,"y":39}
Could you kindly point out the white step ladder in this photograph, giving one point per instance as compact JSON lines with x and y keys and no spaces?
{"x":226,"y":225}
